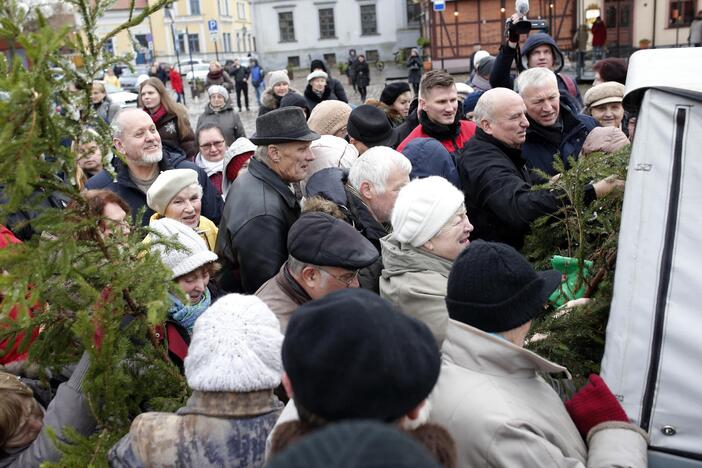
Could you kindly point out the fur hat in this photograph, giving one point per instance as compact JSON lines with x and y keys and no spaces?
{"x":235,"y":347}
{"x":604,"y":93}
{"x":166,"y":186}
{"x":218,"y":89}
{"x":278,"y":76}
{"x":329,"y":117}
{"x":192,"y":254}
{"x":423,"y":207}
{"x":317,"y":74}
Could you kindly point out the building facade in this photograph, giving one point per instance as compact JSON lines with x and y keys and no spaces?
{"x":297,"y":32}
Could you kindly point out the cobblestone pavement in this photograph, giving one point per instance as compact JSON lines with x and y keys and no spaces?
{"x":378,"y":79}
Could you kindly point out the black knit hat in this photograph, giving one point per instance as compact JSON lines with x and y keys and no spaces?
{"x":355,"y":444}
{"x":493,"y":288}
{"x":392,"y":91}
{"x":320,"y":239}
{"x":370,"y":126}
{"x":295,"y":100}
{"x":354,"y":355}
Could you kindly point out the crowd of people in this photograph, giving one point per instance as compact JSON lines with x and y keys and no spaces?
{"x":352,"y":263}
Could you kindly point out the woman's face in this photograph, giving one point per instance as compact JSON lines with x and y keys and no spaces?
{"x":185,"y":207}
{"x":97,"y":94}
{"x":361,"y":58}
{"x":89,"y":157}
{"x":194,"y":284}
{"x":609,"y":115}
{"x":150,"y":97}
{"x":453,"y":238}
{"x":402,"y":103}
{"x":30,"y":425}
{"x":318,"y":84}
{"x":114,"y":220}
{"x":281,"y":89}
{"x":217,"y":101}
{"x":214,"y":68}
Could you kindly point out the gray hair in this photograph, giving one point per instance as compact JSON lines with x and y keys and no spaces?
{"x":196,"y":186}
{"x":117,"y":126}
{"x":374,"y":166}
{"x":534,"y":76}
{"x":262,"y":153}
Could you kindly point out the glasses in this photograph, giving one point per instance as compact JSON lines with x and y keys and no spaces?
{"x":345,"y":279}
{"x":207,"y":146}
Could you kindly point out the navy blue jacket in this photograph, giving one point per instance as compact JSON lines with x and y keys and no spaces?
{"x":430,"y":158}
{"x":539,"y":149}
{"x":212,"y":203}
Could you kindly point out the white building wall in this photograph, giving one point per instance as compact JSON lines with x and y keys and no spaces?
{"x":393,"y":31}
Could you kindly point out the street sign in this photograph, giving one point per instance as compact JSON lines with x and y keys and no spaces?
{"x":212,"y":26}
{"x":439,"y":5}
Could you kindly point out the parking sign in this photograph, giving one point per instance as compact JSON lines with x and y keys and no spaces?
{"x":212,"y":26}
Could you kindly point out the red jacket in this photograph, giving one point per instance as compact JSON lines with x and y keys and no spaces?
{"x":599,"y":34}
{"x":176,"y":80}
{"x":466,"y":133}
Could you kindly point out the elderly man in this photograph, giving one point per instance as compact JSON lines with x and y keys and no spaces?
{"x":261,"y":205}
{"x":491,"y":395}
{"x":552,"y":128}
{"x":495,"y":180}
{"x":326,"y":254}
{"x":438,"y":113}
{"x":366,"y":197}
{"x":368,"y":127}
{"x":135,"y":135}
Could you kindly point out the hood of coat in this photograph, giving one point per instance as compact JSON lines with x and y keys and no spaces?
{"x":400,"y":258}
{"x":330,"y":184}
{"x":393,"y":115}
{"x":542,"y":39}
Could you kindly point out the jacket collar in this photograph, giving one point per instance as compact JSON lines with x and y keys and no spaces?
{"x":364,"y":221}
{"x":400,"y":257}
{"x":265,"y":174}
{"x":168,"y":161}
{"x":482,"y":352}
{"x":231,"y":404}
{"x":514,"y":154}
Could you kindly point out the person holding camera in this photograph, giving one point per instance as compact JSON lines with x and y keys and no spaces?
{"x":540,"y":50}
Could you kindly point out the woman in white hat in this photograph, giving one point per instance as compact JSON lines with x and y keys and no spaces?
{"x":177,"y":194}
{"x":220,"y":111}
{"x":278,"y":87}
{"x":318,"y":89}
{"x":430,"y":229}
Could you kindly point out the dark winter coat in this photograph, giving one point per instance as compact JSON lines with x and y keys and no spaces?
{"x":362,"y":75}
{"x":270,"y":101}
{"x":169,"y":130}
{"x":253,"y":233}
{"x":453,"y":137}
{"x":497,"y":186}
{"x":313,"y":99}
{"x":414,"y":64}
{"x":20,"y":222}
{"x":222,"y":79}
{"x":240,"y":74}
{"x":136,"y":199}
{"x":107,"y":109}
{"x":227,"y":119}
{"x":542,"y":143}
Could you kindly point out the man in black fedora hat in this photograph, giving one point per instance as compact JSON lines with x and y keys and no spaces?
{"x":261,"y":205}
{"x":368,"y":126}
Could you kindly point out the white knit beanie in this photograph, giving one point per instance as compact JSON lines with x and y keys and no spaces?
{"x":193,"y":252}
{"x":218,"y":89}
{"x":235,"y":347}
{"x":423,"y":207}
{"x":166,"y":186}
{"x":317,"y":74}
{"x":278,"y":76}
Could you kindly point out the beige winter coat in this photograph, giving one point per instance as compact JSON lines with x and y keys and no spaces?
{"x":502,"y":414}
{"x":415,"y":280}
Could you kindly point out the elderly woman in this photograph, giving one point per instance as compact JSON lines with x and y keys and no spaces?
{"x":318,"y":90}
{"x":171,"y":119}
{"x":430,"y":229}
{"x":217,"y":76}
{"x":103,"y":105}
{"x":233,"y":366}
{"x":220,"y":111}
{"x":177,"y":194}
{"x":604,"y":103}
{"x":25,"y":424}
{"x":278,"y":88}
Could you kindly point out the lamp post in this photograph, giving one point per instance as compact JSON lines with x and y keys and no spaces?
{"x":175,"y":45}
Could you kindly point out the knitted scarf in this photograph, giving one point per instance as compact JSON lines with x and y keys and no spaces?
{"x":211,"y":167}
{"x":215,"y":75}
{"x":440,"y":131}
{"x":185,"y":315}
{"x":158,"y":113}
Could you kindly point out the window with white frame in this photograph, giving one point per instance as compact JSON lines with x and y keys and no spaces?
{"x":194,"y":43}
{"x":241,"y":10}
{"x":326,"y":23}
{"x":369,"y":23}
{"x":286,"y":26}
{"x":195,"y":7}
{"x":227,"y":42}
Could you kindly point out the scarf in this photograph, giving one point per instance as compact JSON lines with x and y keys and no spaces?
{"x":291,"y":287}
{"x":310,"y":93}
{"x":553,"y":134}
{"x":211,"y":167}
{"x":215,"y":75}
{"x":185,"y":315}
{"x":158,"y":113}
{"x":438,"y":131}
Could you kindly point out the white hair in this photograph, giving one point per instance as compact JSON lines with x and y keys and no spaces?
{"x":374,"y":166}
{"x":485,"y":107}
{"x":537,"y":76}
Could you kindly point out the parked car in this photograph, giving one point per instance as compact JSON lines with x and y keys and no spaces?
{"x":185,"y":65}
{"x":199,"y":71}
{"x":121,"y":97}
{"x":128,"y":78}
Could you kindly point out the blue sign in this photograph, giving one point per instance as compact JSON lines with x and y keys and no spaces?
{"x":439,"y":5}
{"x":212,"y":26}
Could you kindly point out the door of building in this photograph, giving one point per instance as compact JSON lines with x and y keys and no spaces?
{"x":617,"y":16}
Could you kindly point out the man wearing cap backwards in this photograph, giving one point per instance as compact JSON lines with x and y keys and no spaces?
{"x":326,"y":255}
{"x":366,"y":197}
{"x":495,"y":180}
{"x":261,"y":205}
{"x":553,"y":128}
{"x":438,"y":113}
{"x":490,"y":394}
{"x":135,"y":135}
{"x":367,"y":127}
